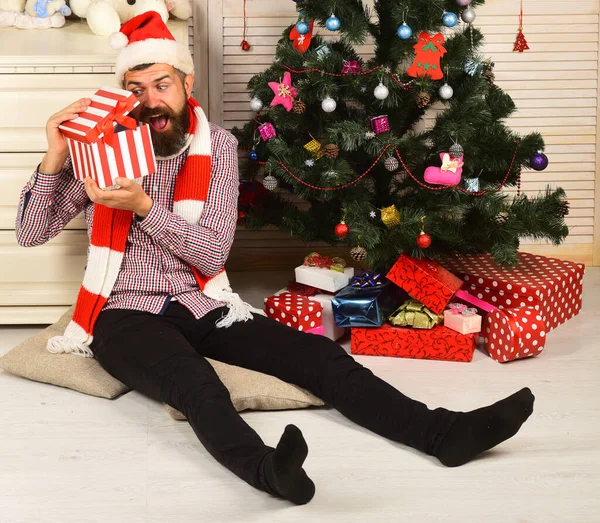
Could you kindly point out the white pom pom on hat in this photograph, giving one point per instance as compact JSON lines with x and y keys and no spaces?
{"x":118,"y":40}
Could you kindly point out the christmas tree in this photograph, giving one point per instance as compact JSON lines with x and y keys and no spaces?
{"x":350,"y":137}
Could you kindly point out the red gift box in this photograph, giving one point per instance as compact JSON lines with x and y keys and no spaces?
{"x":554,"y":287}
{"x":103,"y":152}
{"x":426,"y":281}
{"x":511,"y":334}
{"x":439,"y":343}
{"x":294,"y":311}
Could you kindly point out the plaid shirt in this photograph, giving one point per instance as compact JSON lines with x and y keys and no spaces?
{"x":161,"y":247}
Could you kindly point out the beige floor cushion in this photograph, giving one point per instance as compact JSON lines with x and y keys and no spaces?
{"x":249,"y":389}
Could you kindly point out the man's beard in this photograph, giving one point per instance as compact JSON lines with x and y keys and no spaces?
{"x":169,"y":142}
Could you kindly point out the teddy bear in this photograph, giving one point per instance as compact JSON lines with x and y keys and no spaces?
{"x":106,"y":16}
{"x":9,"y":10}
{"x":33,"y":14}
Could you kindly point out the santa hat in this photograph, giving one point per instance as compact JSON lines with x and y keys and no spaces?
{"x":145,"y":39}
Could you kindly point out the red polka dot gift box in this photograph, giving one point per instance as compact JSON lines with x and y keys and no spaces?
{"x":295,"y":311}
{"x":426,"y":281}
{"x":439,"y":343}
{"x":551,"y":286}
{"x":512,"y":334}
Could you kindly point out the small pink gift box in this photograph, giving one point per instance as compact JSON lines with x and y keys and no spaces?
{"x":319,"y":331}
{"x":380,"y":124}
{"x":351,"y":67}
{"x":267,"y":131}
{"x":461,"y":319}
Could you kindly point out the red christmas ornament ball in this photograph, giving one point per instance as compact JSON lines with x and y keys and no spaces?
{"x":424,"y":240}
{"x":341,"y":230}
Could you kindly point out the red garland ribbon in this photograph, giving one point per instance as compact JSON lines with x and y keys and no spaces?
{"x":405,"y":86}
{"x":422,"y":184}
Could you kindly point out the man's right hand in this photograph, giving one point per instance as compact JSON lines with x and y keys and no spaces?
{"x":58,"y":149}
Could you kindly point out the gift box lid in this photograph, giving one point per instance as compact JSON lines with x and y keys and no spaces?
{"x":533,"y":275}
{"x":109,"y":105}
{"x":294,"y":304}
{"x":425,"y":280}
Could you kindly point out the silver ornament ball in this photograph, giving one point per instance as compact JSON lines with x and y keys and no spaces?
{"x":391,"y":164}
{"x":381,"y":92}
{"x":456,"y":150}
{"x":256,"y":104}
{"x":463,"y":3}
{"x":329,"y":105}
{"x":446,"y":92}
{"x":468,"y":16}
{"x":270,"y":182}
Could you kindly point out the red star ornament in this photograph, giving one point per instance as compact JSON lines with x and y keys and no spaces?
{"x":284,"y":92}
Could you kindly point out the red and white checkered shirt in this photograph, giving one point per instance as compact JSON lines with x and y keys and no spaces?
{"x":161,"y":247}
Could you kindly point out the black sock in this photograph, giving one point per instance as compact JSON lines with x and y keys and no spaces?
{"x":479,"y":430}
{"x":283,"y":468}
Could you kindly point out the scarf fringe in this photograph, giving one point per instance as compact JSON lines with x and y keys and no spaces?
{"x":239,"y":310}
{"x":68,"y":345}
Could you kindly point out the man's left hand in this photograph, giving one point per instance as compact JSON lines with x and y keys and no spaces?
{"x":129,"y":197}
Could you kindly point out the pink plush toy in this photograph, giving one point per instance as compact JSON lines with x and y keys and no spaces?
{"x":449,"y":173}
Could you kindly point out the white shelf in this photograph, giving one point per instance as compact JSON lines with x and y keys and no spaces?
{"x":73,"y":44}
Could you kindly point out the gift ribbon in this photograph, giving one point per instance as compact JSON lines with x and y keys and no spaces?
{"x":414,"y":314}
{"x":515,"y":328}
{"x":367,"y":279}
{"x":461,"y":308}
{"x":314,"y":259}
{"x":107,"y":126}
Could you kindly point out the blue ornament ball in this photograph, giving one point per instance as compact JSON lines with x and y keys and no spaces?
{"x":333,"y":23}
{"x":302,"y":27}
{"x":404,"y":31}
{"x":450,"y":19}
{"x":253,"y":155}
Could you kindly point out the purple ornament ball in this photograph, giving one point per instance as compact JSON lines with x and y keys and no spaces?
{"x":539,"y":161}
{"x":463,"y":3}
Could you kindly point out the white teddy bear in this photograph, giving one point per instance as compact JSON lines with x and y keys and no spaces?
{"x":33,"y":14}
{"x":9,"y":10}
{"x":106,"y":16}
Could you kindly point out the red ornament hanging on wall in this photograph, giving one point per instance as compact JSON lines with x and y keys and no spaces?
{"x":244,"y":44}
{"x":521,"y":42}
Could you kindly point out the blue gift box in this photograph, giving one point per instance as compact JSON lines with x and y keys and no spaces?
{"x":366,"y":306}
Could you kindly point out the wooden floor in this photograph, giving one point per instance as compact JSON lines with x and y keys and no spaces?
{"x":66,"y":457}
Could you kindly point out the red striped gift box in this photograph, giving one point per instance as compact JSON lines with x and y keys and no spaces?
{"x":99,"y":149}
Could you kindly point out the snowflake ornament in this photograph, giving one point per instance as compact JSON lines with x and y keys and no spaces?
{"x":373,"y":214}
{"x":309,"y":163}
{"x":388,"y":70}
{"x":370,"y":135}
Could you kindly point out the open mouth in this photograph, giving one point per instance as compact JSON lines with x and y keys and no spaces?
{"x":160,"y":122}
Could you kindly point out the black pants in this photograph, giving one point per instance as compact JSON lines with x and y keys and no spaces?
{"x":163,"y":358}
